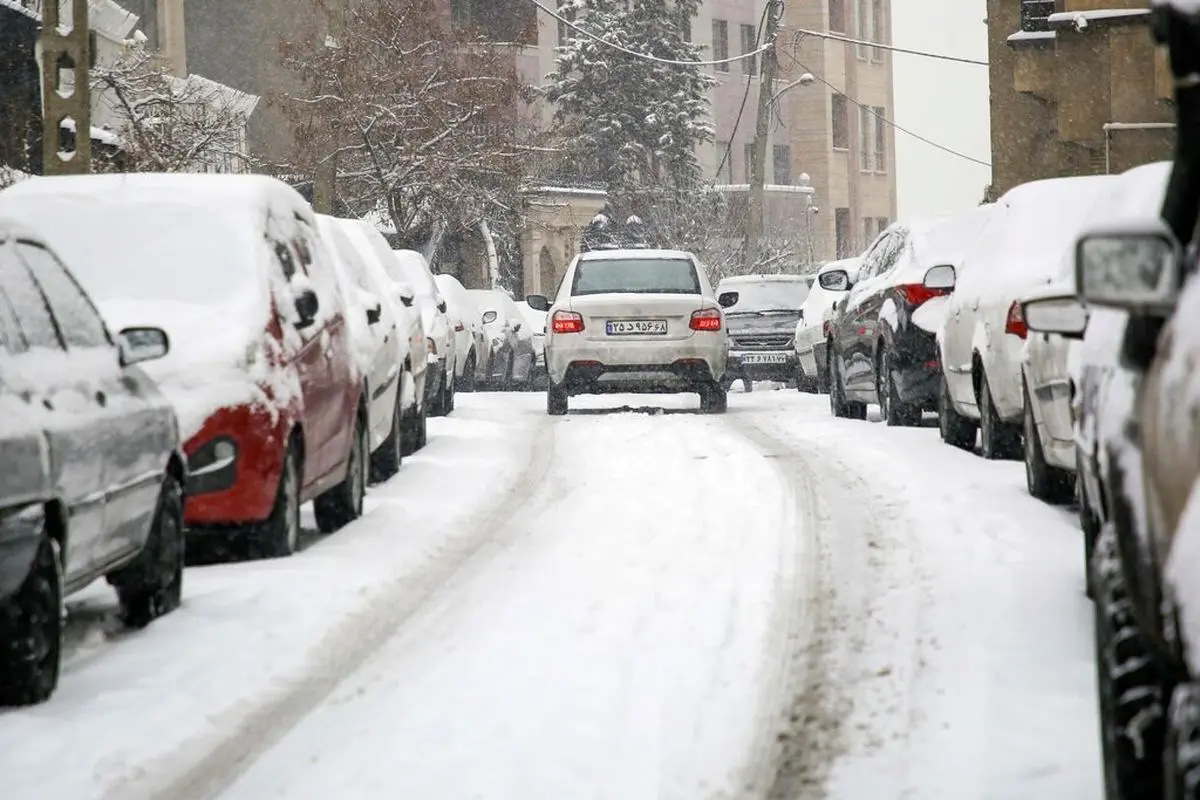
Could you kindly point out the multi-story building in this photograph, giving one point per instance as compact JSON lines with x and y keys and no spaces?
{"x":1077,"y":88}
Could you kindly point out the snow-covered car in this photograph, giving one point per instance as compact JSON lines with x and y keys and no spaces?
{"x":535,"y":323}
{"x":634,"y":321}
{"x":1054,"y":361}
{"x":471,"y":341}
{"x":882,"y":346}
{"x":410,"y":267}
{"x":379,"y":350}
{"x":377,"y":257}
{"x":812,"y":329}
{"x":983,"y":337}
{"x":93,"y":476}
{"x":261,"y":371}
{"x":761,"y":312}
{"x":510,"y":354}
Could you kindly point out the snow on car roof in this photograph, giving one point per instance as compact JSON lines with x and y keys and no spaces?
{"x":736,"y":279}
{"x":10,"y":227}
{"x":947,"y":239}
{"x":610,"y":255}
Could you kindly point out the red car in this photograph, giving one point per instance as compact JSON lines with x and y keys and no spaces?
{"x":271,"y":404}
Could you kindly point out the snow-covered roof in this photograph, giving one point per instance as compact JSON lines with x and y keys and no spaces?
{"x":218,"y":95}
{"x":1032,"y":36}
{"x":733,"y":280}
{"x":606,"y":255}
{"x":1081,"y":19}
{"x":781,"y":188}
{"x":104,"y":16}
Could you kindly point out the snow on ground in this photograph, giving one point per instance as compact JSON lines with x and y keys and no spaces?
{"x":768,"y":604}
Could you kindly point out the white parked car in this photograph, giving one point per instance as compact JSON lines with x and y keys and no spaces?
{"x":812,"y":329}
{"x":511,"y":357}
{"x":983,"y":337}
{"x":535,"y":321}
{"x":410,"y":267}
{"x":470,"y":340}
{"x":634,"y":321}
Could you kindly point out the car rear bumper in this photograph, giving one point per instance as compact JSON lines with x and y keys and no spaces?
{"x":592,"y":377}
{"x":625,"y":362}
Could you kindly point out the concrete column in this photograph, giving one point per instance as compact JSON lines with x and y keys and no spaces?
{"x":172,"y":35}
{"x":63,"y":55}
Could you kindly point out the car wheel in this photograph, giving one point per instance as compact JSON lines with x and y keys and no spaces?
{"x":385,"y":462}
{"x":1182,"y":757}
{"x":1129,"y":689}
{"x":1044,"y":482}
{"x":955,"y":429}
{"x":998,"y":439}
{"x":895,"y":412}
{"x":279,"y":536}
{"x":556,"y":399}
{"x":152,"y":585}
{"x":343,"y":503}
{"x":449,"y":388}
{"x":713,"y":399}
{"x":1089,"y":524}
{"x":468,"y":378}
{"x":31,"y":631}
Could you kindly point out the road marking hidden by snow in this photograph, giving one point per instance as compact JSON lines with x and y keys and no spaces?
{"x":255,"y":644}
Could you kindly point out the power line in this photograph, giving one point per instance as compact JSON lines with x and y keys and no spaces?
{"x":889,"y":122}
{"x":648,"y":56}
{"x":877,"y":45}
{"x":745,"y":97}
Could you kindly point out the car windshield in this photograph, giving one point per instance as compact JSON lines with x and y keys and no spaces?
{"x":767,"y":296}
{"x":635,"y":275}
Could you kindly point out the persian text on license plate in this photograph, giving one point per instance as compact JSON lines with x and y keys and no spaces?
{"x":764,"y":358}
{"x":635,"y":327}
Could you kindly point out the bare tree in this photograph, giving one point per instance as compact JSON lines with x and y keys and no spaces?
{"x":171,"y":124}
{"x":422,"y":122}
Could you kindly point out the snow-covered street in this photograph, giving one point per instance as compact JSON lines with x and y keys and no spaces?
{"x":633,"y":601}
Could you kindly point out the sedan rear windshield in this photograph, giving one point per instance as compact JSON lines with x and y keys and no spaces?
{"x":635,"y":275}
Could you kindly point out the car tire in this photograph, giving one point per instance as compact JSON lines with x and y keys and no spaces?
{"x":895,"y":412}
{"x":1047,"y":483}
{"x":713,"y":399}
{"x":1182,"y":756}
{"x":450,"y":387}
{"x":279,"y":536}
{"x":468,"y":378}
{"x":838,"y":404}
{"x":343,"y":503}
{"x":434,"y":407}
{"x":955,"y":429}
{"x":1128,"y":684}
{"x":31,"y":631}
{"x":1089,"y":524}
{"x":999,"y":440}
{"x":747,"y":385}
{"x":557,"y":402}
{"x":152,"y":585}
{"x":385,"y":462}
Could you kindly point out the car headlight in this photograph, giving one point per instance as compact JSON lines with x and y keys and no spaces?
{"x":213,"y":466}
{"x":432,"y":346}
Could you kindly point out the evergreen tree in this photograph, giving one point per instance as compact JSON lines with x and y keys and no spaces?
{"x":635,"y":122}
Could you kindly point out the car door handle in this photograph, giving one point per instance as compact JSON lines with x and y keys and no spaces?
{"x":101,"y":399}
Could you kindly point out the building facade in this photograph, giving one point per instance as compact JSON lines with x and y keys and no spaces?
{"x":1077,"y":88}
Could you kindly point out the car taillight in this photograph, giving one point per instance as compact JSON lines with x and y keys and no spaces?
{"x":566,"y":322}
{"x":706,"y":319}
{"x":825,"y":329}
{"x":916,"y":294}
{"x":459,"y":327}
{"x":1015,"y":323}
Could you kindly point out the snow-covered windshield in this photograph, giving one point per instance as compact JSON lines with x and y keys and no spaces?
{"x":766,"y":296}
{"x":413,"y":271}
{"x":635,"y":275}
{"x":141,"y":251}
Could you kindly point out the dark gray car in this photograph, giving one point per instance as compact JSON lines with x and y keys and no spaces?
{"x":91,"y":472}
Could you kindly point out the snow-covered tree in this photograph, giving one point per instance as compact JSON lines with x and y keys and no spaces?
{"x":632,"y":123}
{"x":171,"y":124}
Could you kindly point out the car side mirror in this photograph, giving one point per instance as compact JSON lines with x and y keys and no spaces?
{"x":138,"y":345}
{"x":307,"y":307}
{"x":489,"y":317}
{"x":1064,"y":315}
{"x":538,"y":302}
{"x":836,"y":280}
{"x":405,"y":293}
{"x":441,"y":306}
{"x":727,"y":299}
{"x":941,"y":277}
{"x":1137,"y":268}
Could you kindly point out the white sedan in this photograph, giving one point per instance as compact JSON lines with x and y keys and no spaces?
{"x":634,"y":321}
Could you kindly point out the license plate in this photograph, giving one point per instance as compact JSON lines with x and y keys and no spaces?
{"x":764,"y":358}
{"x":634,"y":327}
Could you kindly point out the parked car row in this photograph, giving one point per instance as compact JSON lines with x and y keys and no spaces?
{"x":192,"y":358}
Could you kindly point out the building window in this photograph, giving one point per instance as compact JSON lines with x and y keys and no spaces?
{"x":866,"y":133}
{"x":749,"y":161}
{"x":781,"y":164}
{"x":878,"y":27}
{"x":749,"y":42}
{"x":720,"y":43}
{"x":841,"y":123}
{"x":1035,"y":14}
{"x":841,"y":230}
{"x":880,"y":141}
{"x":837,"y":16}
{"x":864,"y":28}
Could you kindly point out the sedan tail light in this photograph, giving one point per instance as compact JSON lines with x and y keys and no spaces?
{"x":567,"y":322}
{"x":1015,"y":322}
{"x":459,"y":327}
{"x":706,"y":319}
{"x":916,"y":294}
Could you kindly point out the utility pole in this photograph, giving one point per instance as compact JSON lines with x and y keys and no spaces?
{"x":325,"y":181}
{"x":766,"y":89}
{"x":63,"y":54}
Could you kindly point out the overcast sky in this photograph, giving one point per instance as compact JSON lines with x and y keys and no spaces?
{"x":942,"y":101}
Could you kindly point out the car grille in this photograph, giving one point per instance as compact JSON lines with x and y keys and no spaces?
{"x":760,"y":341}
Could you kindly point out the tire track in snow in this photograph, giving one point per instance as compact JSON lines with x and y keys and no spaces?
{"x":853,"y":560}
{"x":345,"y":648}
